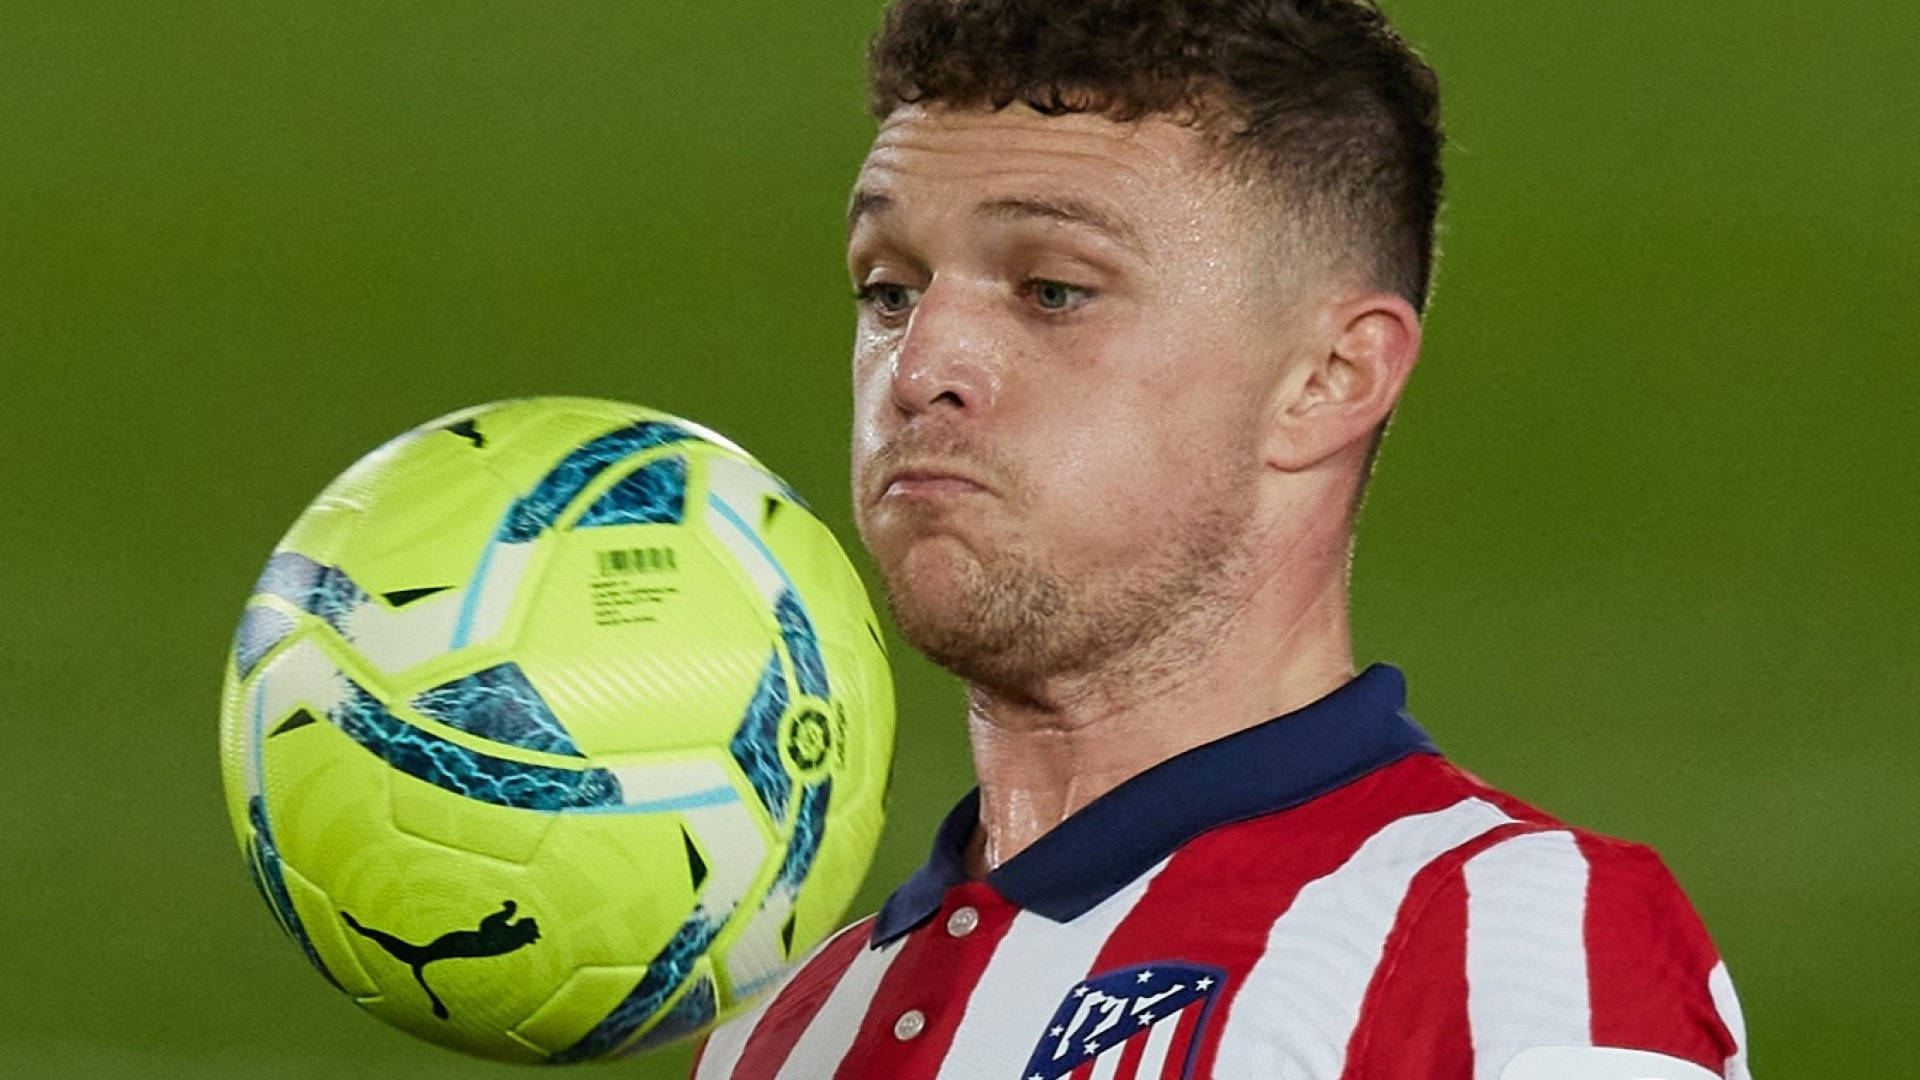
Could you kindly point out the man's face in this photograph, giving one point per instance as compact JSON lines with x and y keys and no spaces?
{"x":1068,"y":331}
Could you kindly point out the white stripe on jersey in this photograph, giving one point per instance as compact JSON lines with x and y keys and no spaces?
{"x":1296,"y":1011}
{"x":1153,"y":1060}
{"x":832,"y":1030}
{"x":1033,"y":967}
{"x":1526,"y":949}
{"x":1727,"y":1004}
{"x":728,"y":1041}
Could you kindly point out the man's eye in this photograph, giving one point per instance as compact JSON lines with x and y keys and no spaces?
{"x":1050,"y":295}
{"x":888,"y":298}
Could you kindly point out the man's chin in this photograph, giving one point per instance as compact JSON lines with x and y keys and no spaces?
{"x":983,"y":623}
{"x":935,"y":591}
{"x":963,"y":646}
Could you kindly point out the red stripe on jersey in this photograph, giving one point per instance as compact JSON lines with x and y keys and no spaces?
{"x":1184,"y":1036}
{"x":796,"y":1002}
{"x":1413,"y":1021}
{"x":1249,"y":874}
{"x":1130,"y":1053}
{"x":935,"y":975}
{"x":1648,"y":959}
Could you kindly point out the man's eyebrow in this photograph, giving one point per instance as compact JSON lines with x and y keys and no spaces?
{"x":1066,"y":210}
{"x":864,"y":203}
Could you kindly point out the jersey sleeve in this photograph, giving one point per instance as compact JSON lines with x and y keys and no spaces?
{"x":1544,"y":937}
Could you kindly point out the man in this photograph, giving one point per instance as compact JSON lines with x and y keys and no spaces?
{"x":1139,"y":286}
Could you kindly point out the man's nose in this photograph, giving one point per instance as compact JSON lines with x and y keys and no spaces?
{"x":950,"y":357}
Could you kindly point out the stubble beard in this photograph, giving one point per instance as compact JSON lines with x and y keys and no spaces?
{"x":1010,"y":623}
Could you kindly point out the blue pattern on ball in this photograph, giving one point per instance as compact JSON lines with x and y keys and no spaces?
{"x":501,"y":705}
{"x":694,"y":1010}
{"x":655,"y":494}
{"x":809,"y":669}
{"x":664,"y":973}
{"x":325,"y":591}
{"x":809,"y":827}
{"x":452,"y":767}
{"x":756,"y":743}
{"x":270,"y":878}
{"x":261,"y":628}
{"x":537,"y":510}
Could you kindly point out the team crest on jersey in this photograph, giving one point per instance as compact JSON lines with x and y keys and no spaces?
{"x":1136,"y":1023}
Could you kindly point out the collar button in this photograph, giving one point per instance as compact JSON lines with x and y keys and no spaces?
{"x":963,"y":921}
{"x":911,"y":1024}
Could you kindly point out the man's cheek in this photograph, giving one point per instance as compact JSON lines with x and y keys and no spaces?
{"x":1109,"y":514}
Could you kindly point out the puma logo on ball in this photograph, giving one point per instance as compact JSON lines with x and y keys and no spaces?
{"x":497,"y":935}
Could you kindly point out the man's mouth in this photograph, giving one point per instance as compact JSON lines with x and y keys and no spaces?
{"x":928,"y":482}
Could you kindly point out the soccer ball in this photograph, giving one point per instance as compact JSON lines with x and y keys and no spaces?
{"x":556,"y":729}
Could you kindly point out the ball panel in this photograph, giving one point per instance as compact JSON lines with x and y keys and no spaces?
{"x":736,"y":501}
{"x":316,"y":910}
{"x":473,"y":774}
{"x":274,"y":879}
{"x":851,"y":833}
{"x":396,"y":639}
{"x":755,"y":745}
{"x":498,"y":704}
{"x":653,"y":494}
{"x":236,"y":751}
{"x":863,"y":733}
{"x":666,"y":972}
{"x":821,"y":575}
{"x":635,"y":612}
{"x":262,"y":629}
{"x":757,"y":953}
{"x":635,"y":622}
{"x":803,"y":644}
{"x":320,"y":590}
{"x":412,"y":514}
{"x":692,"y":1012}
{"x":761,"y":949}
{"x":426,"y":812}
{"x":590,"y":992}
{"x":541,"y":507}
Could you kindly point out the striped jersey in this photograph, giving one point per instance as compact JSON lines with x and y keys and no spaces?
{"x":1320,"y":897}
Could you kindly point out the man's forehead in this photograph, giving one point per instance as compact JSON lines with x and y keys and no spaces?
{"x":1123,"y":177}
{"x":920,"y":144}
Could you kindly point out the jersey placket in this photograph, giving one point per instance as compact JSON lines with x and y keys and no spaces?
{"x":924,"y":995}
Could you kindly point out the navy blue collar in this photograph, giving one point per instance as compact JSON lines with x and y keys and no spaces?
{"x":1283,"y":762}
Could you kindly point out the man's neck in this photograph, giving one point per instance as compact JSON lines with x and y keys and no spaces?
{"x":1047,"y":752}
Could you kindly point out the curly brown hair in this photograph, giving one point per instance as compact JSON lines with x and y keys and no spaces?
{"x":1323,"y":95}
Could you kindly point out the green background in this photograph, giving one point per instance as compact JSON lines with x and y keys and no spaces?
{"x":1643,"y":539}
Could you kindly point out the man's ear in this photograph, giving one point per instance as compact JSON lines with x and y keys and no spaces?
{"x":1337,"y":394}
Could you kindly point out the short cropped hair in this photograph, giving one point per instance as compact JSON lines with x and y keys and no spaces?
{"x":1323,"y":95}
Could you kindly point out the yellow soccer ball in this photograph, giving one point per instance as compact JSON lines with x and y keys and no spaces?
{"x":557,"y":729}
